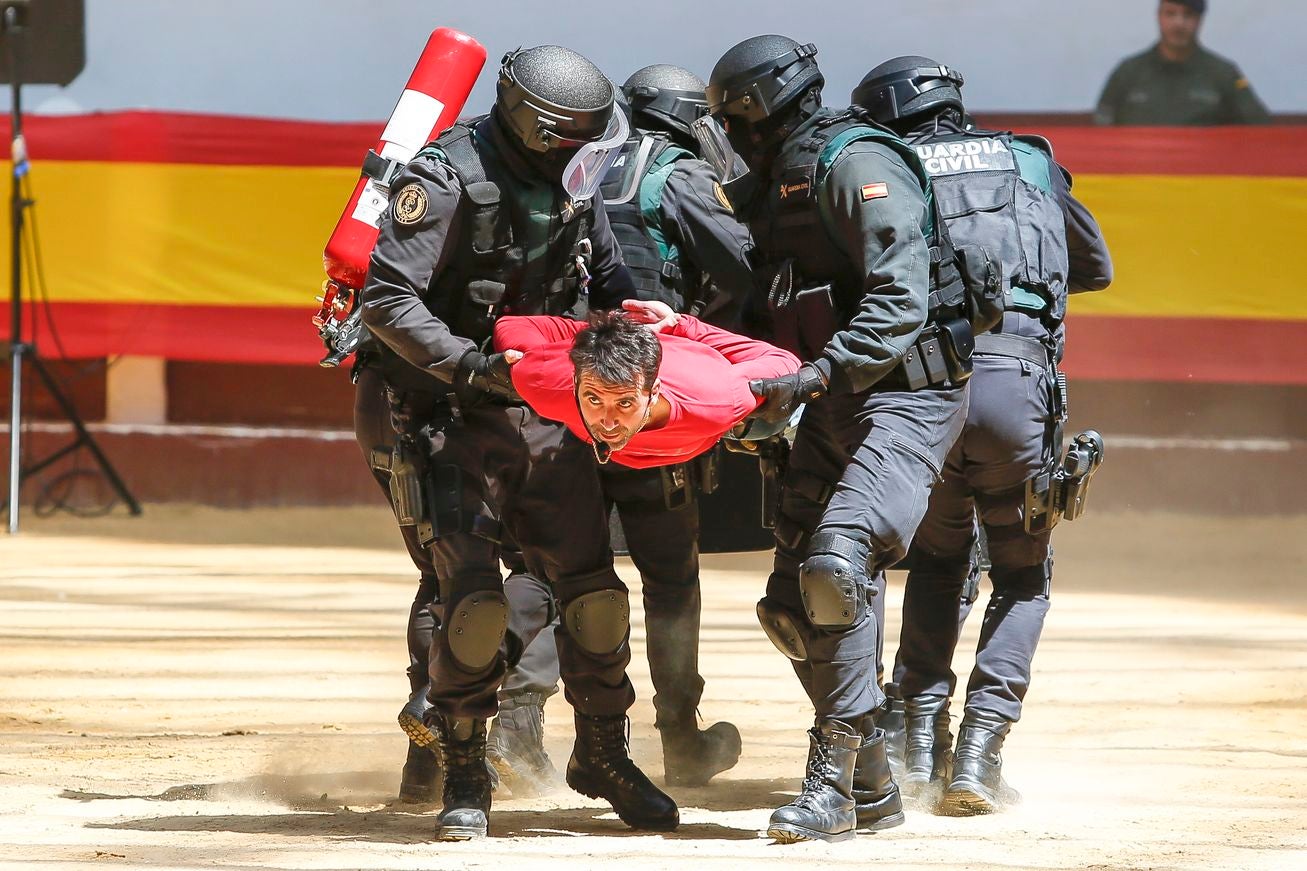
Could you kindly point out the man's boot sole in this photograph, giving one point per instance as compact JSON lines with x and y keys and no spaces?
{"x":967,"y":800}
{"x":416,"y":730}
{"x":586,"y":788}
{"x":789,"y":833}
{"x":460,"y":833}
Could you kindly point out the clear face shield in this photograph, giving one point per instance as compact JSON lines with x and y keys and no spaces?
{"x":715,"y":147}
{"x":587,"y":168}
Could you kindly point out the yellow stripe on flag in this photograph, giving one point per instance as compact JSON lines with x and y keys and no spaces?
{"x":185,"y":234}
{"x":1183,"y":246}
{"x":1199,"y":246}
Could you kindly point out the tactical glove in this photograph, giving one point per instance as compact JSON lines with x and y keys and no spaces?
{"x":781,"y":396}
{"x":478,"y":374}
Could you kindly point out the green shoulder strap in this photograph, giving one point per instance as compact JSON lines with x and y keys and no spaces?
{"x":860,"y":133}
{"x":1034,"y":164}
{"x":651,"y":198}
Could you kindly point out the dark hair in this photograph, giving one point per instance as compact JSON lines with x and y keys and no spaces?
{"x":617,"y":350}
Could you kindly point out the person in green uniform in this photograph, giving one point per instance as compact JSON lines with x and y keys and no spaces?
{"x":1177,"y":82}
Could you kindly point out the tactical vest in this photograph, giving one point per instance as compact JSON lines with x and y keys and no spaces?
{"x":993,"y":190}
{"x":790,"y":224}
{"x":632,"y":192}
{"x":516,"y":252}
{"x":794,"y":223}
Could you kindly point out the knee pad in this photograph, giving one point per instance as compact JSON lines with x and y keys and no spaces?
{"x":784,"y":628}
{"x":833,"y":580}
{"x":476,"y":628}
{"x":598,"y":621}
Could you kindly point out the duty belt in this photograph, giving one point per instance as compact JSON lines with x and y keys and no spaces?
{"x":1020,"y":347}
{"x":928,"y":363}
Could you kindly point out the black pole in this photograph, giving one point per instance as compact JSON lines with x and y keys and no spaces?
{"x":12,"y":26}
{"x":12,"y":30}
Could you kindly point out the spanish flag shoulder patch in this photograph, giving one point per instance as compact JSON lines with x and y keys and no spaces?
{"x":878,"y":190}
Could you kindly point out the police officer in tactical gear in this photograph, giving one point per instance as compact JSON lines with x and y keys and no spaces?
{"x":377,"y":430}
{"x":839,"y":209}
{"x":1005,"y":193}
{"x":480,"y":225}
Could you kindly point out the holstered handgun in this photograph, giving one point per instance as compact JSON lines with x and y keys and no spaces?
{"x":406,"y":466}
{"x":773,"y":457}
{"x":1061,"y":490}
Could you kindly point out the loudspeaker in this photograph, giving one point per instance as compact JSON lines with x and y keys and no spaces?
{"x":49,"y":37}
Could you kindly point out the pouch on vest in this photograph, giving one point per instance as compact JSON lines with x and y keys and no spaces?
{"x":983,"y":277}
{"x":482,"y":302}
{"x":815,"y":312}
{"x":958,"y":343}
{"x":489,"y":226}
{"x":970,"y":269}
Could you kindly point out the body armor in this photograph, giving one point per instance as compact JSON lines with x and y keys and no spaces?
{"x":632,"y":191}
{"x":984,"y":201}
{"x":517,"y":246}
{"x":791,"y":227}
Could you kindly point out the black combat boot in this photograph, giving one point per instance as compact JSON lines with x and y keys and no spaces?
{"x":928,"y":753}
{"x":601,"y":767}
{"x":824,"y":810}
{"x":420,"y":779}
{"x":892,"y":718}
{"x":977,"y":785}
{"x":692,"y":756}
{"x":516,"y":747}
{"x":412,"y":718}
{"x":875,"y":795}
{"x":462,"y":743}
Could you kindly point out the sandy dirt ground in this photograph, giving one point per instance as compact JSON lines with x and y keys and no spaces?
{"x":203,"y":689}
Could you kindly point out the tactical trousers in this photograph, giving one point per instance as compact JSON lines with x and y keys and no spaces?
{"x":1006,"y":441}
{"x":530,"y":606}
{"x":530,"y":600}
{"x":862,"y":466}
{"x":504,"y":467}
{"x":663,"y":542}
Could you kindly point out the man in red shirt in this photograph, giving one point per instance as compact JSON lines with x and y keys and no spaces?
{"x":645,"y":387}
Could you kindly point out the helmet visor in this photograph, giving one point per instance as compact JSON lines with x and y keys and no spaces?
{"x":715,"y":147}
{"x":587,"y":168}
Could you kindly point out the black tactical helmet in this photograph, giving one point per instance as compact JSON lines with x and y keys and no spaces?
{"x":665,"y":97}
{"x":760,"y":77}
{"x":908,"y":86}
{"x":552,"y":97}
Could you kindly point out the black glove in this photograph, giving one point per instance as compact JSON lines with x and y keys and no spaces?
{"x":781,"y":396}
{"x":479,"y":374}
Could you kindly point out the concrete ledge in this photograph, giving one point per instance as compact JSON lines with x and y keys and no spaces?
{"x":243,"y":467}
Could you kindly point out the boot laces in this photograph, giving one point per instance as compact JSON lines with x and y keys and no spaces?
{"x":814,"y":781}
{"x":466,"y":775}
{"x":609,"y":741}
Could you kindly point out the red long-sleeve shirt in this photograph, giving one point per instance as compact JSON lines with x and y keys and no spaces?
{"x":705,"y":376}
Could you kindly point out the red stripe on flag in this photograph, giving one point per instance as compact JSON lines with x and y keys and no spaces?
{"x":1101,"y":348}
{"x":183,"y":137}
{"x":281,"y":335}
{"x":1211,"y":350}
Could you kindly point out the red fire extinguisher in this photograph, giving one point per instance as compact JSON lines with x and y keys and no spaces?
{"x":431,"y":103}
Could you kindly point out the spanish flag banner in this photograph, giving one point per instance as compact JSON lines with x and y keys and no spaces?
{"x":199,"y":237}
